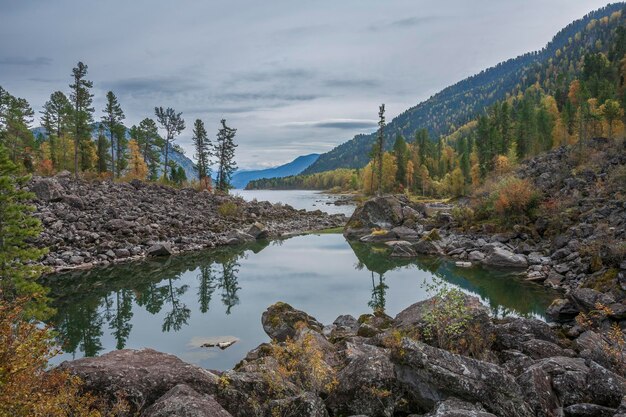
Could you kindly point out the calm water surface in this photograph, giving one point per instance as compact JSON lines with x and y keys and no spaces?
{"x":300,"y":199}
{"x":169,"y":304}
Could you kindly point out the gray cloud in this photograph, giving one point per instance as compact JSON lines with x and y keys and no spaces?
{"x":20,"y":61}
{"x":349,"y":124}
{"x":352,"y":83}
{"x":266,"y":65}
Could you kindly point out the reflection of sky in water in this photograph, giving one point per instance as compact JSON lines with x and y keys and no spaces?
{"x":300,"y":199}
{"x":320,"y":274}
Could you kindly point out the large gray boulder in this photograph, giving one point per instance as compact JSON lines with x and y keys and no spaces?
{"x":183,"y":401}
{"x":499,"y":256}
{"x":432,"y":375}
{"x":553,"y":383}
{"x":453,"y":407}
{"x":281,"y":321}
{"x":47,"y":189}
{"x":142,"y":376}
{"x":379,"y":212}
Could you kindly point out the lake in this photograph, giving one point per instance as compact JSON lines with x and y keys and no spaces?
{"x":300,"y":199}
{"x":172,"y":304}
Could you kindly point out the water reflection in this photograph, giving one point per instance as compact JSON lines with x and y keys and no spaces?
{"x":129,"y":305}
{"x":86,"y":300}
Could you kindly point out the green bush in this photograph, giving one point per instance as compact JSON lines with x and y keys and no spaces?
{"x":228,"y":209}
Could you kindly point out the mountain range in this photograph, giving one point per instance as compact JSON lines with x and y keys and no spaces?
{"x":454,"y":106}
{"x":241,"y":178}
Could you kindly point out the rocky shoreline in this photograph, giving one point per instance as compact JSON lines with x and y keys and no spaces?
{"x":97,"y":223}
{"x":377,"y":365}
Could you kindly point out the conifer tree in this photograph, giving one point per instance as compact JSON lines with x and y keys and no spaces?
{"x":112,"y":120}
{"x":225,"y":153}
{"x":150,"y":145}
{"x":18,"y":273}
{"x":380,"y":146}
{"x":103,"y":151}
{"x":82,"y":111}
{"x":203,"y":152}
{"x":401,"y":153}
{"x":55,"y":118}
{"x":16,"y":135}
{"x":173,"y":124}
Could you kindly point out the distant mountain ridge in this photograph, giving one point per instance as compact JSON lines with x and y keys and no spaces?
{"x":242,"y":178}
{"x":459,"y":103}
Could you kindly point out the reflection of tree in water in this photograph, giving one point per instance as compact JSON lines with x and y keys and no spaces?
{"x":379,"y":291}
{"x":179,"y":313}
{"x":206,"y":288}
{"x":229,"y":284}
{"x":81,"y":328}
{"x":119,"y":321}
{"x":505,"y":293}
{"x":85,"y":300}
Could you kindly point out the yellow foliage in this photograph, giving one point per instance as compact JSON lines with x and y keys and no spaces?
{"x":26,"y":388}
{"x":137,"y":168}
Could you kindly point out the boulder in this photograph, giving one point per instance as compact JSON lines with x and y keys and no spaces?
{"x":453,"y":407}
{"x":499,"y":256}
{"x":366,"y":385}
{"x":532,"y":337}
{"x":562,"y":310}
{"x":281,"y":321}
{"x":237,"y":237}
{"x":428,"y":247}
{"x":431,"y":375}
{"x":183,"y":401}
{"x":258,"y":231}
{"x":406,"y":233}
{"x":159,"y":249}
{"x":588,"y":410}
{"x":557,"y":382}
{"x":379,"y":212}
{"x":142,"y":376}
{"x":476,"y":256}
{"x":47,"y":190}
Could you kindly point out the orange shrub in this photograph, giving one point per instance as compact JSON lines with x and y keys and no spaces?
{"x":515,"y":197}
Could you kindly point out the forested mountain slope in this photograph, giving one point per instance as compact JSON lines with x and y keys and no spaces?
{"x":553,"y":66}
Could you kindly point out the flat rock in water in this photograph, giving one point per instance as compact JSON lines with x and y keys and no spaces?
{"x":221,"y":342}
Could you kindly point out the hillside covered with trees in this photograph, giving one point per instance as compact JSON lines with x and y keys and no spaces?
{"x":442,"y":114}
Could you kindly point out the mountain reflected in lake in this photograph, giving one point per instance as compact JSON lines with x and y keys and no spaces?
{"x":166,"y":303}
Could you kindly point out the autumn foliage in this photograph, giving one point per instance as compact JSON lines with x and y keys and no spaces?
{"x":26,"y":387}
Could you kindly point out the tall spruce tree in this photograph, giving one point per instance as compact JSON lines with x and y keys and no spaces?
{"x":82,"y":111}
{"x":112,"y":120}
{"x":55,"y":118}
{"x":225,"y":156}
{"x":380,"y":146}
{"x":401,"y":152}
{"x":203,"y":152}
{"x":150,"y":145}
{"x":18,"y":272}
{"x":173,"y":124}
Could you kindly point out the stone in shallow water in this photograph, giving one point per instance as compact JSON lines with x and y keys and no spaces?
{"x":221,"y":342}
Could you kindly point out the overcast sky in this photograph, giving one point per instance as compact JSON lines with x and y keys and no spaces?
{"x":294,"y":77}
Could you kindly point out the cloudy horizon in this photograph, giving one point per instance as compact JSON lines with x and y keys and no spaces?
{"x":294,"y":78}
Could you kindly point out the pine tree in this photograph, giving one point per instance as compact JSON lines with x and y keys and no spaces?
{"x":380,"y":146}
{"x":103,"y":151}
{"x":55,"y":118}
{"x":112,"y":120}
{"x":16,"y":135}
{"x":81,"y":99}
{"x":173,"y":124}
{"x":150,"y":145}
{"x":18,"y":273}
{"x":203,"y":152}
{"x":401,"y":153}
{"x":225,"y":153}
